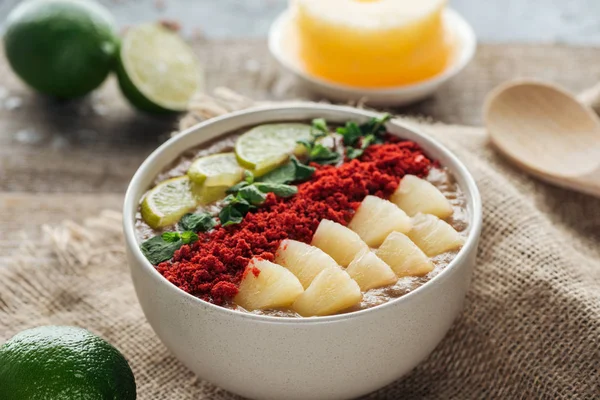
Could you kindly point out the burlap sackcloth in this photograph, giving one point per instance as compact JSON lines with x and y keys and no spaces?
{"x":530,"y":328}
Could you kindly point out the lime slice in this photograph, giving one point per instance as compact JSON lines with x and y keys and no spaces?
{"x":266,"y":147}
{"x":216,"y":170}
{"x":157,"y":70}
{"x":168,"y":201}
{"x":209,"y":194}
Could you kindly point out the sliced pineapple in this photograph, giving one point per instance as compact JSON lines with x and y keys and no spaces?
{"x":303,"y":260}
{"x":433,"y":235}
{"x":376,"y":218}
{"x":339,"y":242}
{"x":267,"y":285}
{"x":403,"y":256}
{"x":416,"y":195}
{"x":370,"y":272}
{"x":330,"y":292}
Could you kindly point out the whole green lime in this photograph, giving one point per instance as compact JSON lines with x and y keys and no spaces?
{"x":64,"y":48}
{"x":63,"y":362}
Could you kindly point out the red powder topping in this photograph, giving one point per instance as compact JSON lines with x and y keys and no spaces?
{"x":212,"y":268}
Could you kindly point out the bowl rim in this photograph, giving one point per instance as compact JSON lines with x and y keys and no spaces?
{"x":459,"y":26}
{"x":131,"y":203}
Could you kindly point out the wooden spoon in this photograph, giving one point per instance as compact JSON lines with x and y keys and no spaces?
{"x":547,"y":132}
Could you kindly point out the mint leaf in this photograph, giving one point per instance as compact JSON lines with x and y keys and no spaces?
{"x":368,"y":133}
{"x":170,"y":237}
{"x":229,"y":198}
{"x":301,"y":171}
{"x":353,"y":153}
{"x":284,"y":174}
{"x":324,"y":155}
{"x":157,"y":249}
{"x":351,"y":133}
{"x":248,"y":180}
{"x":252,"y":194}
{"x":199,"y":222}
{"x":293,"y":171}
{"x":188,"y":237}
{"x":375,"y":126}
{"x":278,"y":189}
{"x":367,"y":141}
{"x":317,"y":152}
{"x":320,"y":125}
{"x":238,"y":202}
{"x":320,"y":151}
{"x":248,"y":176}
{"x":241,"y":204}
{"x":306,"y":143}
{"x":229,"y":216}
{"x":236,"y":188}
{"x":162,"y":247}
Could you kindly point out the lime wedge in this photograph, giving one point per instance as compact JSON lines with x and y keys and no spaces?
{"x":168,"y":201}
{"x":266,"y":147}
{"x":216,"y":170}
{"x":157,"y":70}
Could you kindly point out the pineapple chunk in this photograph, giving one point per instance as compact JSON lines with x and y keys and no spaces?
{"x":370,"y":272}
{"x":389,"y":42}
{"x":267,"y":285}
{"x":416,"y":195}
{"x":330,"y":292}
{"x":303,"y":260}
{"x":341,"y":243}
{"x":403,"y":256}
{"x":376,"y":218}
{"x":433,"y":235}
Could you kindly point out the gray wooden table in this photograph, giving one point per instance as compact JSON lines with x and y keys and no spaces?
{"x":570,"y":22}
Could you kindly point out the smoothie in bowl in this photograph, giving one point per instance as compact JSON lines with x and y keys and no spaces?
{"x":320,"y":234}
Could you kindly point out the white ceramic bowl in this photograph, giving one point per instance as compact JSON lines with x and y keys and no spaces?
{"x":284,"y":51}
{"x":340,"y":356}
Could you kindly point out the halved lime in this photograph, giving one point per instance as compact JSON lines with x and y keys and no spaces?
{"x":157,"y":70}
{"x":216,"y":170}
{"x":266,"y":147}
{"x":168,"y":201}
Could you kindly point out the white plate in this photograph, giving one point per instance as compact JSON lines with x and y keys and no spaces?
{"x":396,"y":96}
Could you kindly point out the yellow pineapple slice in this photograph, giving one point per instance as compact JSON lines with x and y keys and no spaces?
{"x":370,"y":272}
{"x":341,"y":243}
{"x":376,"y":218}
{"x":403,"y":256}
{"x":303,"y":260}
{"x":267,"y":285}
{"x":433,"y":235}
{"x":372,"y":43}
{"x":416,"y":195}
{"x":330,"y":292}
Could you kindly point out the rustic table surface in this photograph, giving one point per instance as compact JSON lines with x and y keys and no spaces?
{"x":571,"y":22}
{"x":69,"y":160}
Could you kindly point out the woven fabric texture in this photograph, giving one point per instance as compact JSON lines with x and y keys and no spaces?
{"x":530,"y":328}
